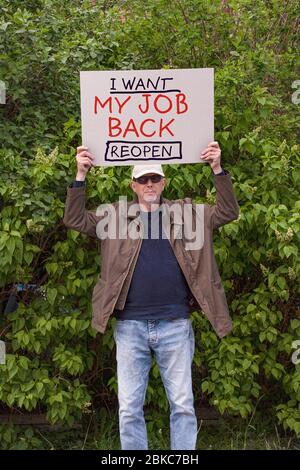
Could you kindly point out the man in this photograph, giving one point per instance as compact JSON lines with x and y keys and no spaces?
{"x":151,"y":282}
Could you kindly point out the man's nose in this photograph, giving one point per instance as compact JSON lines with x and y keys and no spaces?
{"x":149,"y":182}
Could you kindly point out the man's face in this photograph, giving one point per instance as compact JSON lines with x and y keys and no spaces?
{"x":149,"y":192}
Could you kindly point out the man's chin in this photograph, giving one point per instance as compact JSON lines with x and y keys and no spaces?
{"x":151,"y":198}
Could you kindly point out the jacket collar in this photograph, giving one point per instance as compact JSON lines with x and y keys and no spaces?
{"x":167,"y":211}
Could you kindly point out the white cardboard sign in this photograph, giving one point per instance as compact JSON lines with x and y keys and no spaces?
{"x":144,"y":116}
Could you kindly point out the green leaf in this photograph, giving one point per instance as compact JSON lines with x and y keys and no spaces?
{"x":281,"y":282}
{"x":51,"y":295}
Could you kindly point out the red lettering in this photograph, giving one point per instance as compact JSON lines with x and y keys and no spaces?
{"x":97,"y":101}
{"x":116,"y":128}
{"x":131,"y":127}
{"x":165,"y":127}
{"x":146,"y":95}
{"x":181,"y":99}
{"x":162,"y":111}
{"x":111,"y":127}
{"x":121,"y":105}
{"x":142,"y":128}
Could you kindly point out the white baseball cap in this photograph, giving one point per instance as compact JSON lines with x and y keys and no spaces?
{"x":141,"y":170}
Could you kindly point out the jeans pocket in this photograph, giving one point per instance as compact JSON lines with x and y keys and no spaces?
{"x":180,"y":320}
{"x":180,"y":324}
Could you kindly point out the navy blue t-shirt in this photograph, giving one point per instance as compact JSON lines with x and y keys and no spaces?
{"x":158,"y":289}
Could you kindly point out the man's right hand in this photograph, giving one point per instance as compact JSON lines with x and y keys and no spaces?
{"x":85,"y":161}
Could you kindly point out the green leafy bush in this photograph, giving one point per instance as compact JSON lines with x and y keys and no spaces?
{"x":55,"y":362}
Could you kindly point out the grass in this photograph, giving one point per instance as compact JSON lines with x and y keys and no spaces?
{"x":258,"y":433}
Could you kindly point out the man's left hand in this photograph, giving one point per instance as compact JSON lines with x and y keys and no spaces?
{"x":212,"y":155}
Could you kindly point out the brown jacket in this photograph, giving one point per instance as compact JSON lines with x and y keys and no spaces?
{"x":118,"y":256}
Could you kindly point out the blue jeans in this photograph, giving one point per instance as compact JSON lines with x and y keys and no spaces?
{"x":173,"y":343}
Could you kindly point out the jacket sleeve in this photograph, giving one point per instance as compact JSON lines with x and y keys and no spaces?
{"x":226,"y":208}
{"x":76,"y":216}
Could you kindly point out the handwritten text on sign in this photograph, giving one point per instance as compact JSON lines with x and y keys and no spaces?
{"x":145,"y":116}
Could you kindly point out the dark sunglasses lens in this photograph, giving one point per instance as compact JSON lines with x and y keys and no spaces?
{"x":153,"y":178}
{"x":156,"y":178}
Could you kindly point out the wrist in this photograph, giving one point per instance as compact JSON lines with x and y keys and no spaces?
{"x":217,"y":170}
{"x":80,"y":177}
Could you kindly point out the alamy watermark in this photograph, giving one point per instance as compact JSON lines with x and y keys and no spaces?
{"x":123,"y":220}
{"x":296,"y":94}
{"x":2,"y":352}
{"x":296,"y":354}
{"x":2,"y":92}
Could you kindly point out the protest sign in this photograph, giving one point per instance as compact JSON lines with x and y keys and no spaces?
{"x":140,"y":116}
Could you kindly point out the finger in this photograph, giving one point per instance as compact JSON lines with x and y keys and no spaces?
{"x":87,"y":165}
{"x":85,"y":154}
{"x":210,"y":153}
{"x":214,"y":144}
{"x":210,"y":149}
{"x":80,"y":148}
{"x":85,"y":161}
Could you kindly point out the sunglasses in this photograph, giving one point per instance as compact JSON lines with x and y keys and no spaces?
{"x":144,"y":179}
